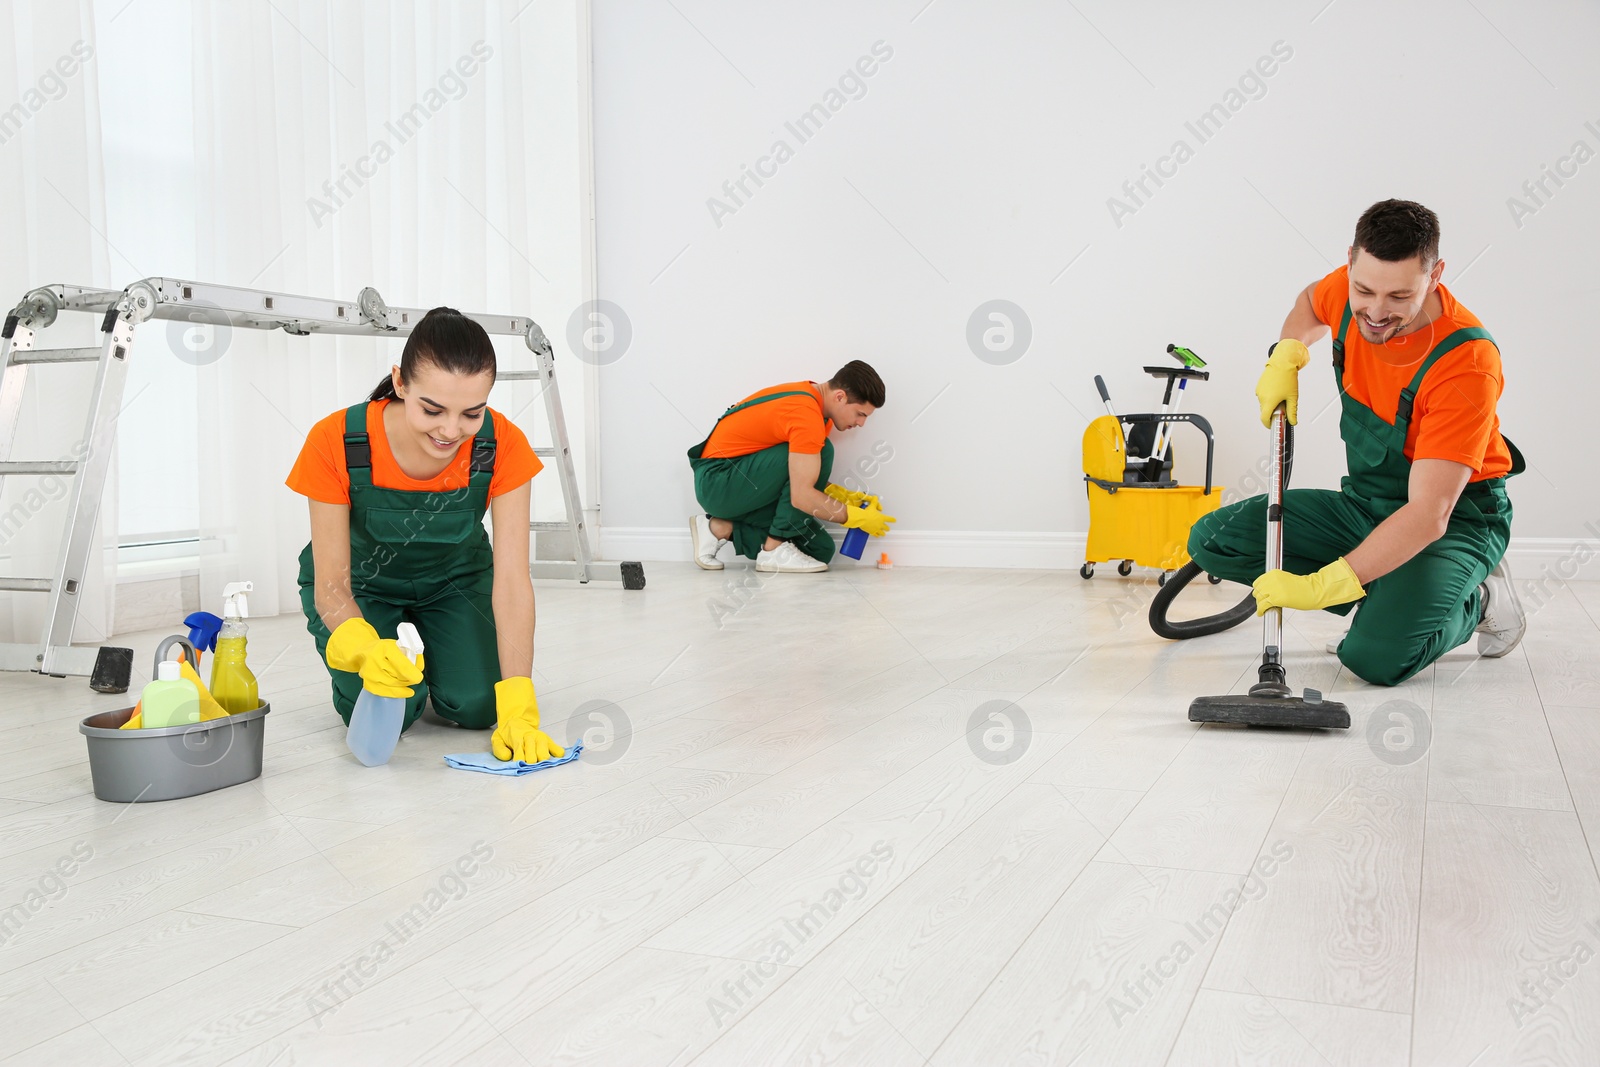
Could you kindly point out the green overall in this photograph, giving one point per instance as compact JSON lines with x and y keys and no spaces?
{"x":752,"y":492}
{"x":422,"y":558}
{"x":1426,"y":606}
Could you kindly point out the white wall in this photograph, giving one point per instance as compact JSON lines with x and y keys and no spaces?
{"x":978,"y":164}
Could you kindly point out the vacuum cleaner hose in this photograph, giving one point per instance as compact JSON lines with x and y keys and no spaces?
{"x":1211,"y":624}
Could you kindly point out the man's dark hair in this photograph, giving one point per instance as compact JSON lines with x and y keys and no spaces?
{"x":1395,"y":230}
{"x":860,"y":383}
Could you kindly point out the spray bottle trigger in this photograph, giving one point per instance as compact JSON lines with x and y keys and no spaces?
{"x":409,"y":640}
{"x":234,"y":604}
{"x":203,"y":629}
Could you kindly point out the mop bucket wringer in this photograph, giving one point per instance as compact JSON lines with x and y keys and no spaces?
{"x":1138,"y":514}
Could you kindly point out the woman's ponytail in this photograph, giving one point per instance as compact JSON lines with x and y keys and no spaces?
{"x":384,"y":390}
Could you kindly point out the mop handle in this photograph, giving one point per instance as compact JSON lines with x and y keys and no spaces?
{"x":1164,"y":431}
{"x":1100,"y":384}
{"x":1273,"y":620}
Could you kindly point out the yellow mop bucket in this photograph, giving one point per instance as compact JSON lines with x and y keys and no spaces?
{"x":1144,"y":525}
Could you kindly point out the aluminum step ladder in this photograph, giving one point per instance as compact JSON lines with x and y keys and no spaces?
{"x":121,"y":312}
{"x":91,"y":458}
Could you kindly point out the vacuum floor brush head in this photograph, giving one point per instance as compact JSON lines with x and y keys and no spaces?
{"x":1309,"y":713}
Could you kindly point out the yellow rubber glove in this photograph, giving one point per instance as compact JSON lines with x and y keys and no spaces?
{"x":850,"y":497}
{"x":1334,"y":584}
{"x":875,"y":522}
{"x":1280,"y":382}
{"x":385,"y":670}
{"x":517,"y":734}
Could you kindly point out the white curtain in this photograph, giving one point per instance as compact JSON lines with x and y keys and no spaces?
{"x":52,"y":184}
{"x":431,"y":150}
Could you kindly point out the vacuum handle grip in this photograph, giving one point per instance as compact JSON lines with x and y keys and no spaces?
{"x":1100,"y":384}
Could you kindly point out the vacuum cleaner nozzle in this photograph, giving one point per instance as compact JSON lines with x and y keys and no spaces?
{"x":1309,"y":712}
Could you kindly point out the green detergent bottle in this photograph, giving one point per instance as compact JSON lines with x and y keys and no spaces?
{"x":232,"y":684}
{"x":170,"y":700}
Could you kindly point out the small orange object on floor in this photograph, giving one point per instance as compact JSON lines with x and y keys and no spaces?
{"x":884,"y":562}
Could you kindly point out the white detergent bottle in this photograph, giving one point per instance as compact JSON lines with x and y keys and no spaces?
{"x":376,"y":721}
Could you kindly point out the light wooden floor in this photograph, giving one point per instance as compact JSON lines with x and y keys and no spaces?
{"x":791,"y":850}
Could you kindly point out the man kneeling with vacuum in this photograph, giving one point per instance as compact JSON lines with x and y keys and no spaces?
{"x":1418,"y":529}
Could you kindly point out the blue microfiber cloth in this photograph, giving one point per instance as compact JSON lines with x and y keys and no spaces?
{"x":485,"y":762}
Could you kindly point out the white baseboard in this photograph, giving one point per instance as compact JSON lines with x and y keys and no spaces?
{"x":1555,"y":558}
{"x":912,"y":548}
{"x":646,"y":543}
{"x":1559,"y":559}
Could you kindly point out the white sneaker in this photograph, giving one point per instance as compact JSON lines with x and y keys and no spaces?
{"x":706,"y":544}
{"x":787,"y":559}
{"x":1504,"y":622}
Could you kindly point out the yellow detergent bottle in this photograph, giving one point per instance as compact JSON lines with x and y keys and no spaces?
{"x":232,"y":684}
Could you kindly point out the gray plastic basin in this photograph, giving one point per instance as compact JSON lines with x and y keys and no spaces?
{"x":175,"y":761}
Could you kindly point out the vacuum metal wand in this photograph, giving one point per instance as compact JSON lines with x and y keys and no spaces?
{"x":1269,"y":702}
{"x":1273,"y":680}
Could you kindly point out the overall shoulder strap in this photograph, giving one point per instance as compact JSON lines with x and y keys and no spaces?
{"x":1451,"y":342}
{"x":483,"y":447}
{"x":357,"y":446}
{"x":764,"y":399}
{"x":1338,"y":346}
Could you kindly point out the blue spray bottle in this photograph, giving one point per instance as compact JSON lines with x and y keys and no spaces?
{"x":376,"y":721}
{"x":855,"y":539}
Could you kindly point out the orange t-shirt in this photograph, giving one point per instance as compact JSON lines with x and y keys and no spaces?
{"x":794,"y":420}
{"x":1453,"y":416}
{"x":320,"y":472}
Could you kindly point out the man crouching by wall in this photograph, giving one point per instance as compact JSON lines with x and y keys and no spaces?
{"x":762,"y":474}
